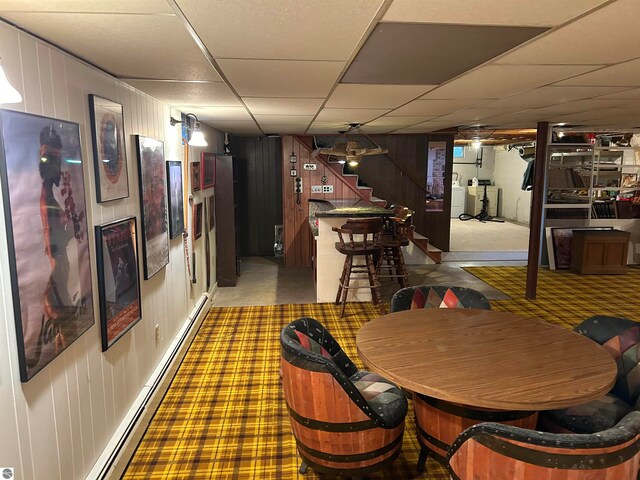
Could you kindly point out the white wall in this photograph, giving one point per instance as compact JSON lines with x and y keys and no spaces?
{"x":57,"y":424}
{"x":467,"y":172}
{"x":515,"y":203}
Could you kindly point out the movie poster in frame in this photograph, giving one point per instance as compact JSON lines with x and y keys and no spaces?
{"x":176,"y":198}
{"x":197,"y":220}
{"x":153,"y":204}
{"x":118,"y":279}
{"x":109,"y":154}
{"x":207,"y":170}
{"x":44,"y":206}
{"x":211,"y":212}
{"x":195,"y":176}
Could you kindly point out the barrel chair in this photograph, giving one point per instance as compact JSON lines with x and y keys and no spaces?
{"x":438,"y":296}
{"x":621,"y":338}
{"x":493,"y":451}
{"x":346,"y":422}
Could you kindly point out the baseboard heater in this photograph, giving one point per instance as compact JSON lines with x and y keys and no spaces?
{"x":105,"y":465}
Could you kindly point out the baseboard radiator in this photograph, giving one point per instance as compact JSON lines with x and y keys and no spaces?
{"x":114,"y":458}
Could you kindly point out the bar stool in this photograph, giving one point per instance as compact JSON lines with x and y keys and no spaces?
{"x":394,"y":237}
{"x":366,"y":244}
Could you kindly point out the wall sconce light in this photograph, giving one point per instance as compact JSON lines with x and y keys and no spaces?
{"x":8,"y":94}
{"x":196,"y":138}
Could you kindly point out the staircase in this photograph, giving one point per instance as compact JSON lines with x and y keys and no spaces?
{"x":366,"y":193}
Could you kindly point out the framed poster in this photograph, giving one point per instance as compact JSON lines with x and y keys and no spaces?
{"x":197,"y":220}
{"x":176,"y":198}
{"x":153,"y":204}
{"x":211,"y":209}
{"x":109,"y":155}
{"x":48,"y":250}
{"x":561,"y":240}
{"x":195,"y":176}
{"x":207,"y":170}
{"x":118,"y":279}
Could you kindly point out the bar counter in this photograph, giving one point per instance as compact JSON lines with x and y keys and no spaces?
{"x":329,"y":261}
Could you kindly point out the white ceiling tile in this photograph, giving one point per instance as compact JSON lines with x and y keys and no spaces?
{"x":624,"y":95}
{"x":187,"y":93}
{"x":293,"y":128}
{"x":497,"y":81}
{"x":353,"y":95}
{"x":217,"y":113}
{"x":317,"y":128}
{"x":349,"y":115}
{"x":132,"y":46}
{"x":623,"y":74}
{"x":377,"y":129}
{"x":488,"y":12}
{"x":287,"y":29}
{"x":607,"y":36}
{"x":80,"y":6}
{"x":283,"y":106}
{"x":434,"y":107}
{"x":425,"y":127}
{"x":234,"y":126}
{"x":281,"y":78}
{"x":399,"y":122}
{"x":551,"y":95}
{"x":301,"y":120}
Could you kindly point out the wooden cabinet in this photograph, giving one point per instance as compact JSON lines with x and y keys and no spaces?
{"x":474,"y":200}
{"x":599,"y":251}
{"x":226,"y":221}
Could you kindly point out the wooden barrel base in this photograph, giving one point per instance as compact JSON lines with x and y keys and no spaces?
{"x":343,"y":471}
{"x":438,"y":423}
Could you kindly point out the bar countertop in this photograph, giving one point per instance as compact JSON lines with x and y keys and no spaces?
{"x":353,"y":211}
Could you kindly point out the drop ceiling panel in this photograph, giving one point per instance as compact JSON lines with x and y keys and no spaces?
{"x":404,"y":53}
{"x":349,"y":115}
{"x":627,"y":94}
{"x":281,"y":78}
{"x":326,"y":127}
{"x":399,"y":122}
{"x":609,"y":35}
{"x":488,"y":12}
{"x":187,"y":93}
{"x":378,"y":129}
{"x":624,"y":74}
{"x":300,"y":120}
{"x":283,"y":106}
{"x":234,"y":126}
{"x":351,"y":95}
{"x":215,"y":114}
{"x":283,"y":128}
{"x":424,"y":127}
{"x":94,"y":6}
{"x":434,"y":107}
{"x":287,"y":29}
{"x":545,"y":96}
{"x":497,"y":81}
{"x":107,"y":40}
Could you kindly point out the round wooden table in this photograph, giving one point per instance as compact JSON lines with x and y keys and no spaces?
{"x":467,"y":366}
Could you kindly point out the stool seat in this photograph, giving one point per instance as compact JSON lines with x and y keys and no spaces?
{"x":359,"y":237}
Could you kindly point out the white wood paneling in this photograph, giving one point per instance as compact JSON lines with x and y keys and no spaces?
{"x":57,"y":424}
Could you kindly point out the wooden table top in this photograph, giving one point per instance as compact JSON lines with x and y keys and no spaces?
{"x":486,"y":358}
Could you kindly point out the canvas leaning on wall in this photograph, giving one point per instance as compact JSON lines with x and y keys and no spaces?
{"x":45,"y":211}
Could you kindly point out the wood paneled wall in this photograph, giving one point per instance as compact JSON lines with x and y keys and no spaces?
{"x":57,"y":424}
{"x":298,"y":241}
{"x":259,"y":186}
{"x":389,"y":183}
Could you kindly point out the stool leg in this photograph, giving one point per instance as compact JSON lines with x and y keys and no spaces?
{"x":347,"y":280}
{"x":401,"y":269}
{"x":373,"y":280}
{"x":342,"y":277}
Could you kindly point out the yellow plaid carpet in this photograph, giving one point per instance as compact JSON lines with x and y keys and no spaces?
{"x":224,"y":415}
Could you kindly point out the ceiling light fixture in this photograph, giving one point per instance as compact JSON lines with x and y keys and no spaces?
{"x":8,"y":94}
{"x":476,"y":144}
{"x":351,"y":149}
{"x":194,"y":133}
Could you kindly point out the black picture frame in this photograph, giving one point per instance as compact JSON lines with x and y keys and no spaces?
{"x":153,"y":204}
{"x":208,"y":170}
{"x":41,"y":172}
{"x":195,"y":176}
{"x":561,"y":240}
{"x":109,"y":152}
{"x":118,"y":279}
{"x":176,"y":198}
{"x":211,"y":212}
{"x":197,"y":220}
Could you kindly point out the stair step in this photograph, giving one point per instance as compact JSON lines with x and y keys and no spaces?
{"x":432,"y":252}
{"x":379,"y":202}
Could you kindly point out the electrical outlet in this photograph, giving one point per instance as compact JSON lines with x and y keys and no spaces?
{"x":327,"y":189}
{"x":316,"y":188}
{"x":157,"y":333}
{"x":310,"y":166}
{"x":297,"y":185}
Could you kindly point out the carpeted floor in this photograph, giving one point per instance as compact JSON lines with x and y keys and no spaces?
{"x":224,"y":415}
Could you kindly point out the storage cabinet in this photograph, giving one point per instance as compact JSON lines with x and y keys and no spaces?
{"x":226,"y":221}
{"x":474,"y":200}
{"x":599,"y":251}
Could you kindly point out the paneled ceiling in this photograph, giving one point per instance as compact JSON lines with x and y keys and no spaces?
{"x":395,"y":66}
